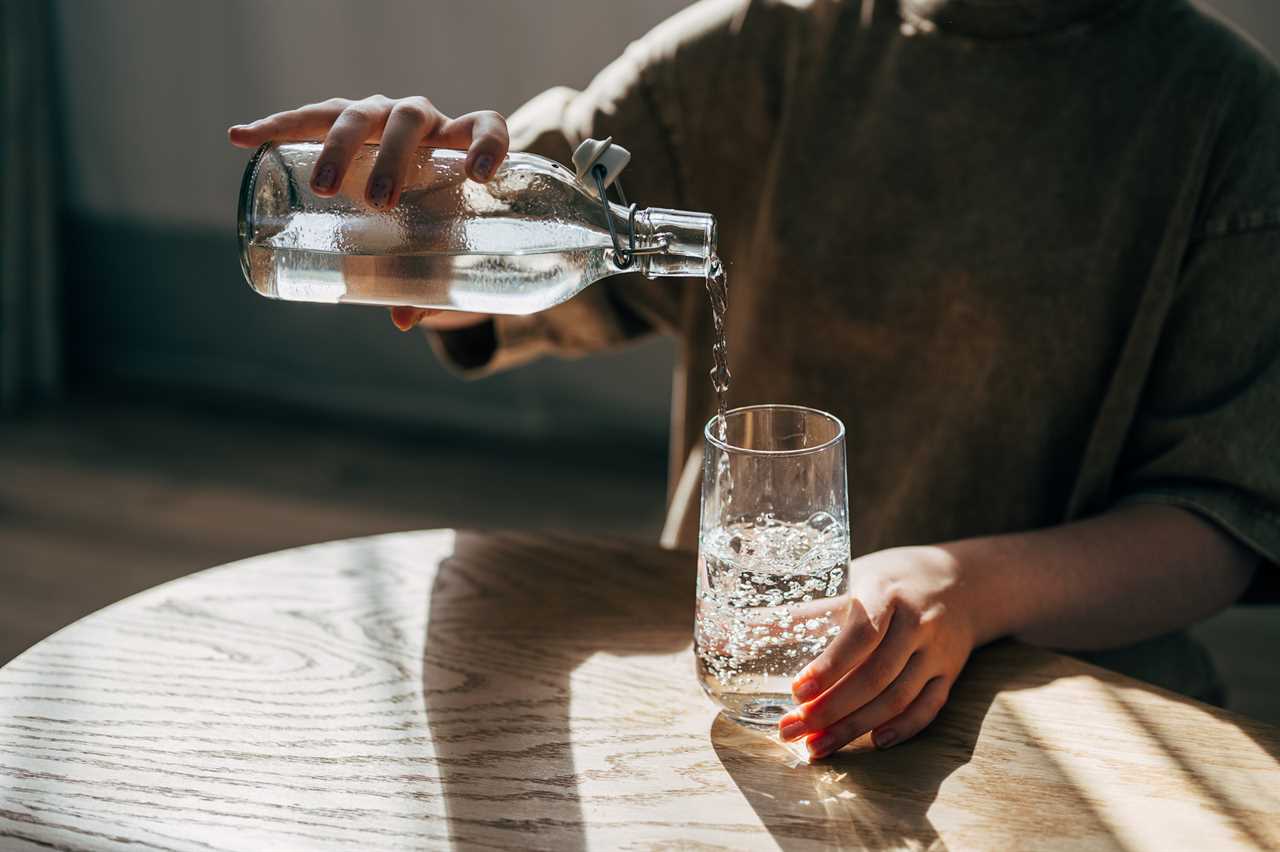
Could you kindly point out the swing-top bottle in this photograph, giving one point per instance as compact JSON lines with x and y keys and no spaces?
{"x":530,"y":238}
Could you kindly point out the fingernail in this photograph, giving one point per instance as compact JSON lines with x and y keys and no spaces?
{"x":405,"y":321}
{"x":791,"y":730}
{"x":484,"y":165}
{"x":885,"y":738}
{"x":380,"y":192}
{"x":805,"y":689}
{"x":324,"y":177}
{"x":822,"y":745}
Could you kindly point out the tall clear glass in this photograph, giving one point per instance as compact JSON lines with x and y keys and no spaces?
{"x":773,"y":554}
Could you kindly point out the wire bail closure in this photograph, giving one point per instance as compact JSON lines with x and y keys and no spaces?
{"x":624,"y":257}
{"x":604,"y":162}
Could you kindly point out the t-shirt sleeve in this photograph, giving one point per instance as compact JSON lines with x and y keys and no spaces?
{"x":1207,"y":436}
{"x":636,"y":100}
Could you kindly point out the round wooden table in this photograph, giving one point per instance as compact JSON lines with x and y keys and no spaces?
{"x":483,"y":690}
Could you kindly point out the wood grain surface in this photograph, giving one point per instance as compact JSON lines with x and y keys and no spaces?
{"x":425,"y":690}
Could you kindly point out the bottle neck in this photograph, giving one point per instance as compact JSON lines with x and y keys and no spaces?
{"x":689,"y":239}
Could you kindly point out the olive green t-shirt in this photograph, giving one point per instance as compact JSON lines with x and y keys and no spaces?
{"x":1028,"y":252}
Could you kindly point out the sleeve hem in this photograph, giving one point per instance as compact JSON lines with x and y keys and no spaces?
{"x":1255,"y":526}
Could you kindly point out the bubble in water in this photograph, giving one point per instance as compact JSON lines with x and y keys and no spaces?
{"x":822,"y":523}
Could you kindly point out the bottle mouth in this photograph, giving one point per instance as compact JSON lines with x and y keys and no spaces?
{"x":710,"y":244}
{"x":691,"y":243}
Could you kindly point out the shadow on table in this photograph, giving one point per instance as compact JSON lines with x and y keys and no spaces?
{"x":861,"y":798}
{"x":510,"y":619}
{"x":856,"y":799}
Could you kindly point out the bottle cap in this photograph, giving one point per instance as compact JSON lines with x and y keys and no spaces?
{"x":600,"y":152}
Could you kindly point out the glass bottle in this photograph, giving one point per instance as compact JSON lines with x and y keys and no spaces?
{"x":532,"y":237}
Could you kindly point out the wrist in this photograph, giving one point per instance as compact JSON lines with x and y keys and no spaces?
{"x":990,"y":601}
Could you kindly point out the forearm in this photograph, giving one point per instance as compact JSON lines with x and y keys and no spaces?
{"x":1123,"y":576}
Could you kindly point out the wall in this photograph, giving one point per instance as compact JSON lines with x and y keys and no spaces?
{"x":156,"y":294}
{"x":1259,"y":18}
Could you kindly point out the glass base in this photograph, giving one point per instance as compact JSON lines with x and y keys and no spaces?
{"x":758,"y":710}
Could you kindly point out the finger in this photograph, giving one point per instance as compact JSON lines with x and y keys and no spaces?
{"x":358,"y":123}
{"x":309,"y":122}
{"x":860,"y":634}
{"x":894,"y":700}
{"x":406,"y":318}
{"x":861,"y":684}
{"x":484,"y":137}
{"x":410,"y":120}
{"x":916,"y":717}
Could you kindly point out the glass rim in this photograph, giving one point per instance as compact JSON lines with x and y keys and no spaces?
{"x":727,"y":447}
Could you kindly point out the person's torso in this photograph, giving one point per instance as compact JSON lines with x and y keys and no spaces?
{"x":953,"y":246}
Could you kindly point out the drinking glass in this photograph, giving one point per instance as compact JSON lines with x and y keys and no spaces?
{"x":773,"y":554}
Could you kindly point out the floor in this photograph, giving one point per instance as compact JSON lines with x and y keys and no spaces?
{"x":102,"y":497}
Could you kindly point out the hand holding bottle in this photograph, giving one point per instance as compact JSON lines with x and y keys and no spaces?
{"x":400,"y":126}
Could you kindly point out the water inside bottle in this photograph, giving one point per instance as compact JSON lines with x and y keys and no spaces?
{"x":540,"y":266}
